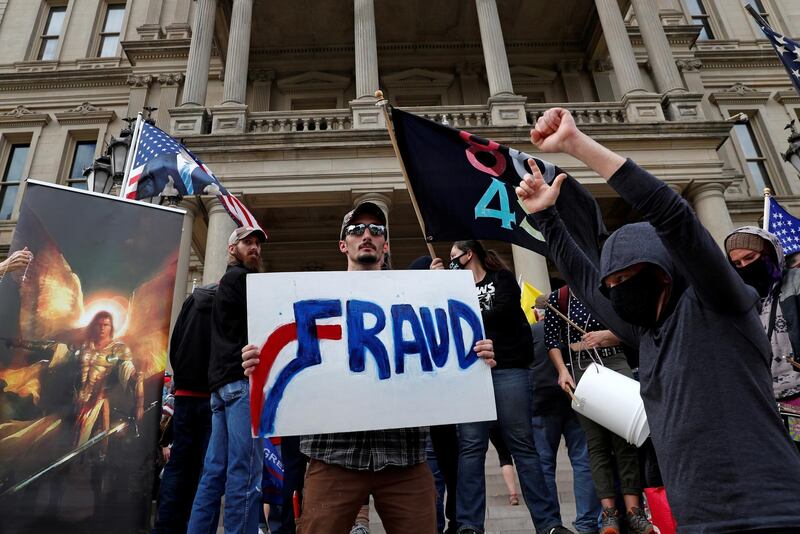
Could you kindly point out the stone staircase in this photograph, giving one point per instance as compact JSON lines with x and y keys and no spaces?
{"x":503,"y":518}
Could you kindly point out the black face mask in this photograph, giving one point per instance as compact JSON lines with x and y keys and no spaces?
{"x":756,"y":274}
{"x":455,"y":265}
{"x":636,"y":299}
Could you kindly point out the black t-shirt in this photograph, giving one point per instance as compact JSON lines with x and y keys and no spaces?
{"x":504,"y":320}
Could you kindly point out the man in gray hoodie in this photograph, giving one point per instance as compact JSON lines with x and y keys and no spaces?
{"x":664,"y":286}
{"x":758,"y":257}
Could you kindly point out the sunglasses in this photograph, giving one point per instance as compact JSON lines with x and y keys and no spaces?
{"x":376,"y":230}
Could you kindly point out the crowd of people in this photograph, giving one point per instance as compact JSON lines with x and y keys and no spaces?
{"x":712,"y":337}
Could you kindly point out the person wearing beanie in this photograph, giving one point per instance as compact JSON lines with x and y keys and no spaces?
{"x":758,"y":257}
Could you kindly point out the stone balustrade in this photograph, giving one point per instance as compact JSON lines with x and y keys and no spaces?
{"x":300,"y":121}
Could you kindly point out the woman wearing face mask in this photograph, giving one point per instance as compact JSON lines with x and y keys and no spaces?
{"x":505,"y":323}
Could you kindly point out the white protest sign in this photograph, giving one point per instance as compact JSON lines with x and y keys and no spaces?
{"x":365,"y":350}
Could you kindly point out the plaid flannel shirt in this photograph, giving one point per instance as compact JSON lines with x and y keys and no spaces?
{"x":368,"y":451}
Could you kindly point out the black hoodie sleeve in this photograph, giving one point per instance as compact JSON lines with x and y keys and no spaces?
{"x":580,"y":273}
{"x":691,"y":247}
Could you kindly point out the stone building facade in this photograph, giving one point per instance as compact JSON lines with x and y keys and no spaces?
{"x":277,"y":98}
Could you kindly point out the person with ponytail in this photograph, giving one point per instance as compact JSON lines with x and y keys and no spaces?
{"x":505,"y":323}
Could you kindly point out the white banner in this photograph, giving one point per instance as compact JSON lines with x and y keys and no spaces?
{"x":367,"y":350}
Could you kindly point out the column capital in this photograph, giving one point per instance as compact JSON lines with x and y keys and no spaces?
{"x":140,"y":80}
{"x":689,"y":65}
{"x":171,"y":78}
{"x":212,"y":205}
{"x":703,"y":190}
{"x":262,"y":75}
{"x":191,"y":205}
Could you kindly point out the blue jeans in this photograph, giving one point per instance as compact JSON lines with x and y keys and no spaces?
{"x":191,"y":425}
{"x":512,"y":395}
{"x":233,"y":466}
{"x":547,"y":432}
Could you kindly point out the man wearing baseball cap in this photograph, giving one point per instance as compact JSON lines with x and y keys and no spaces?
{"x":233,"y":463}
{"x":346,"y":468}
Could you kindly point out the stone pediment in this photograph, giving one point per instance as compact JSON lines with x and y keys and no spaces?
{"x":739,"y":94}
{"x":314,"y":81}
{"x":22,"y":116}
{"x":417,"y":78}
{"x":86,"y":113}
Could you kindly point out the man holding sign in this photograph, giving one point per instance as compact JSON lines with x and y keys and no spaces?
{"x":346,"y":468}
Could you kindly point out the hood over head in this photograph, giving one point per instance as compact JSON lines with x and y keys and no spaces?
{"x":771,"y":239}
{"x":632,"y":244}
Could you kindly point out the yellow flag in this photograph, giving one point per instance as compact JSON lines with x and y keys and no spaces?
{"x":529,"y":294}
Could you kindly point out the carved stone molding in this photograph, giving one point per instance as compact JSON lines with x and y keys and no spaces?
{"x":171,"y":79}
{"x":739,"y":94}
{"x":140,"y":80}
{"x":86,"y":113}
{"x":571,"y":65}
{"x":22,"y":116}
{"x":689,"y":65}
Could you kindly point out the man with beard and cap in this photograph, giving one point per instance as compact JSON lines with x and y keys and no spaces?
{"x":758,"y":257}
{"x":347,"y":467}
{"x":663,"y":286}
{"x":234,"y":460}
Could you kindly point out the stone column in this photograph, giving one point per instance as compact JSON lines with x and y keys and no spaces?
{"x":365,"y":114}
{"x":194,"y":92}
{"x":658,"y":48}
{"x":619,"y":46}
{"x":572,"y":75}
{"x":468,"y":74}
{"x":708,"y":200}
{"x":261,"y":90}
{"x":679,"y":104}
{"x":191,"y":117}
{"x":140,"y":85}
{"x":531,"y":267}
{"x":220,"y":226}
{"x":151,"y":29}
{"x":231,"y":116}
{"x":182,"y":272}
{"x":506,"y":108}
{"x":170,"y":83}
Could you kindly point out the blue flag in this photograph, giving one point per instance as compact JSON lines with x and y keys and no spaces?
{"x":464,"y":186}
{"x":784,"y":226}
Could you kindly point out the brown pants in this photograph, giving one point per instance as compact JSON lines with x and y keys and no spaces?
{"x":405,"y":498}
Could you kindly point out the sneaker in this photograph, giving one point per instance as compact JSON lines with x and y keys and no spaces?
{"x":609,"y":521}
{"x":560,"y":530}
{"x":358,"y":528}
{"x":638,"y":522}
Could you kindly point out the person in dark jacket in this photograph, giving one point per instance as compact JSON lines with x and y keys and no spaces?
{"x":506,"y":325}
{"x":191,"y":417}
{"x":664,"y":286}
{"x":758,"y":257}
{"x":234,"y":460}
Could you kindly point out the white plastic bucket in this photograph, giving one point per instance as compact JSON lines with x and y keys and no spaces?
{"x":612,"y":400}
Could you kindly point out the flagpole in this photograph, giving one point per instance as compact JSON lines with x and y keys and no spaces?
{"x":134,"y":146}
{"x":767,"y":193}
{"x":383,"y":104}
{"x":755,"y":14}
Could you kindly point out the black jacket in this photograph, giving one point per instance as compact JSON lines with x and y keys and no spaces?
{"x":705,"y":374}
{"x":228,"y":328}
{"x":190,"y":345}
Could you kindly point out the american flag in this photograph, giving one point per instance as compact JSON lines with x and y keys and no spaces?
{"x":788,"y":50}
{"x":161,"y":164}
{"x":783,"y":225}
